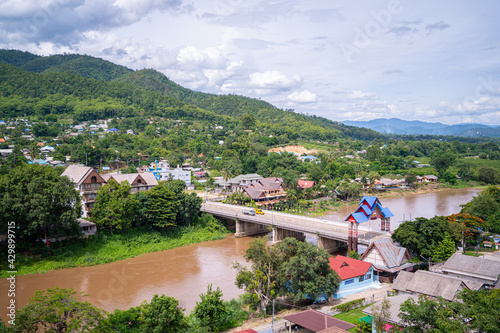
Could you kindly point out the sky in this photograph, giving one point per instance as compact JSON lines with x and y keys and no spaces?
{"x":434,"y":61}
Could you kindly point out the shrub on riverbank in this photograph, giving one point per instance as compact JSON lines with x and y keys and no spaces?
{"x":106,"y":248}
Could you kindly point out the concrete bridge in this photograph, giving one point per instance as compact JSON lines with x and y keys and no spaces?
{"x":331,"y":235}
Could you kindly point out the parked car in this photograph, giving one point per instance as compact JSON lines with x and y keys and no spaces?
{"x":259,"y":211}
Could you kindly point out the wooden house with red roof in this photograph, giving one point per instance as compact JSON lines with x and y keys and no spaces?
{"x":356,"y":275}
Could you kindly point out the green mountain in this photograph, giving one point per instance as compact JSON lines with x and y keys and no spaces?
{"x":92,"y":88}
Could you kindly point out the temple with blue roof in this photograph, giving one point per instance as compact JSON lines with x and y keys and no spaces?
{"x":369,"y":208}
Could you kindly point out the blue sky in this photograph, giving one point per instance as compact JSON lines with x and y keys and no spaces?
{"x":436,"y":61}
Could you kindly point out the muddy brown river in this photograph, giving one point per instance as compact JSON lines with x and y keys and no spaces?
{"x":185,"y":272}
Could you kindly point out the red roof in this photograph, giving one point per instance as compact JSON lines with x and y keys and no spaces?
{"x":348,"y":268}
{"x":305,"y":183}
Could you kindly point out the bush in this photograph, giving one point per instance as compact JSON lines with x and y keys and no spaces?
{"x":348,"y":306}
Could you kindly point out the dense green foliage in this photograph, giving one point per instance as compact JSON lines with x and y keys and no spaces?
{"x":58,"y":310}
{"x":476,"y":312}
{"x":114,"y":207}
{"x":40,"y":203}
{"x":211,"y":312}
{"x":422,"y":236}
{"x":487,"y":207}
{"x":292,"y":268}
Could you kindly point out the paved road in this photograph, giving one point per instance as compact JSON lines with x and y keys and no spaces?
{"x":325,"y":228}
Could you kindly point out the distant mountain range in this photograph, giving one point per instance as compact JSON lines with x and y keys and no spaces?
{"x":398,"y":126}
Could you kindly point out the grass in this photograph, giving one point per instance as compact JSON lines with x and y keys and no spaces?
{"x":352,"y":316}
{"x":107,"y":248}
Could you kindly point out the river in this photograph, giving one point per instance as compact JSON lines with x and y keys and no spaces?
{"x":185,"y":272}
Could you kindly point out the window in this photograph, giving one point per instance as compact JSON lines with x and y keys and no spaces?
{"x":361,"y":278}
{"x":139,"y":181}
{"x":93,"y":179}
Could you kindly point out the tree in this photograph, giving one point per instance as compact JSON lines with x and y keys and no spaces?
{"x":163,"y":315}
{"x":487,"y":175}
{"x":472,"y":226}
{"x":114,"y":207}
{"x":487,"y":207}
{"x":410,"y":178}
{"x":422,"y":235}
{"x":41,"y":202}
{"x":441,"y":162}
{"x":429,"y":315}
{"x":315,"y":173}
{"x":306,"y":271}
{"x":261,"y":280}
{"x":381,"y":314}
{"x":126,"y":321}
{"x":483,"y":307}
{"x":58,"y":310}
{"x":211,"y":310}
{"x":163,"y":206}
{"x":189,"y":204}
{"x":444,"y":249}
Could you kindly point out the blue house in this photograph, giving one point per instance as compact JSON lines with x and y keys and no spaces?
{"x":356,"y":275}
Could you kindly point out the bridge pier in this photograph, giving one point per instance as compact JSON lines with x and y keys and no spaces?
{"x":244,"y":229}
{"x":330,"y":245}
{"x":352,"y":237}
{"x":279,"y":234}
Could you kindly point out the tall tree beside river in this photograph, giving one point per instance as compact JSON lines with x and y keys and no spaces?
{"x":40,"y":202}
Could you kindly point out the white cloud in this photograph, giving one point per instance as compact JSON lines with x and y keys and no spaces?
{"x":304,"y":96}
{"x":359,"y":95}
{"x":274,"y":80}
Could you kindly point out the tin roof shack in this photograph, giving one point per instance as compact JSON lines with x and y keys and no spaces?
{"x":394,"y":305}
{"x":388,"y":259}
{"x":315,"y":321}
{"x":88,"y":228}
{"x":432,"y":284}
{"x":478,"y":269}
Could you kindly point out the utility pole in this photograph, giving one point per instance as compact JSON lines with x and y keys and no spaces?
{"x":272,"y":320}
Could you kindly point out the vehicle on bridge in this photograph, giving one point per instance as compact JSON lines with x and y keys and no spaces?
{"x":249,"y":212}
{"x":259,"y":211}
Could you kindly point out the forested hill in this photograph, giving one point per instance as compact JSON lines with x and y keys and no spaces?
{"x":86,"y":66}
{"x":92,"y":88}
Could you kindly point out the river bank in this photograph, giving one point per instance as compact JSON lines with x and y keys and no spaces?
{"x":106,"y":248}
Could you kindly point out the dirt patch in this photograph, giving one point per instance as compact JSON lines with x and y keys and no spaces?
{"x":293,"y":149}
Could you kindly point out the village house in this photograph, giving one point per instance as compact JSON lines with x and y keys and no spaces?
{"x":139,"y":182}
{"x":88,"y":228}
{"x":162,"y":171}
{"x":393,"y":310}
{"x":427,"y":179}
{"x":265,"y":191}
{"x":388,"y":259}
{"x":355,"y":275}
{"x":484,"y":271}
{"x":238,"y":183}
{"x":87,"y":182}
{"x":316,"y":321}
{"x":432,"y":284}
{"x":303,"y":184}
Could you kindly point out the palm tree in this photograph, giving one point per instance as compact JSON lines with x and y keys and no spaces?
{"x":34,"y":150}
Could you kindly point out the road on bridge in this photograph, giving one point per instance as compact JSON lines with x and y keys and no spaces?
{"x":330,"y":229}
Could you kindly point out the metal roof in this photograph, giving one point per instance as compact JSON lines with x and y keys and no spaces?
{"x":392,"y":255}
{"x":317,"y":321}
{"x":472,"y":265}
